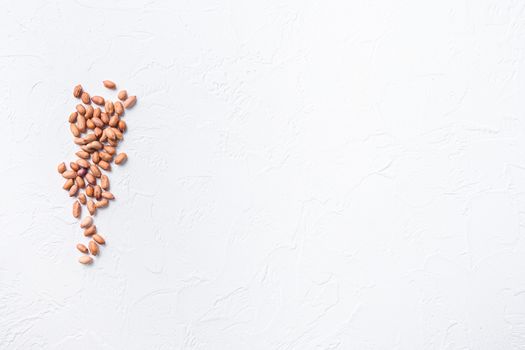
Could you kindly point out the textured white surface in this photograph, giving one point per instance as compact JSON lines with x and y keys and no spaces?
{"x":302,"y":175}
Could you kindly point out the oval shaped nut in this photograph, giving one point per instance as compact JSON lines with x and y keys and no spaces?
{"x":97,"y":192}
{"x":109,"y":84}
{"x":74,"y":130}
{"x":79,"y":181}
{"x":82,"y":154}
{"x":69,"y":183}
{"x":93,"y":248}
{"x":85,"y":98}
{"x":82,"y":198}
{"x":87,"y":149}
{"x":96,"y":112}
{"x":110,"y":134}
{"x":83,"y":163}
{"x":86,"y":222}
{"x":90,"y":125}
{"x":96,"y":145}
{"x":122,"y":125}
{"x":91,"y":207}
{"x":90,"y":231}
{"x":130,"y":102}
{"x":104,"y":165}
{"x":99,"y":239}
{"x":80,"y":109}
{"x":82,"y":248}
{"x":97,"y":122}
{"x":109,"y":107}
{"x":69,"y":174}
{"x":85,"y":259}
{"x":74,"y":166}
{"x":90,"y":137}
{"x":73,"y":190}
{"x":95,"y":170}
{"x":111,"y":150}
{"x":113,"y":121}
{"x":122,"y":95}
{"x":61,"y":167}
{"x":81,"y":123}
{"x":104,"y":117}
{"x":77,"y":91}
{"x":73,"y":117}
{"x":98,"y":132}
{"x":89,"y":190}
{"x":108,"y":195}
{"x":95,"y":157}
{"x":122,"y":157}
{"x":89,"y":111}
{"x":82,"y":172}
{"x":91,"y":179}
{"x":102,"y":203}
{"x":99,"y":100}
{"x":77,"y":208}
{"x":104,"y":182}
{"x":118,"y":134}
{"x":105,"y":156}
{"x":79,"y":140}
{"x":119,"y":108}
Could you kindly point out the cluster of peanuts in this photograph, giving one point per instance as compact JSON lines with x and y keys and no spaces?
{"x":98,"y":133}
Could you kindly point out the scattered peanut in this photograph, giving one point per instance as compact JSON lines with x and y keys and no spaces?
{"x":85,"y":259}
{"x":109,"y":84}
{"x":121,"y":158}
{"x":82,"y":248}
{"x":122,"y":95}
{"x":77,"y":208}
{"x":86,"y":222}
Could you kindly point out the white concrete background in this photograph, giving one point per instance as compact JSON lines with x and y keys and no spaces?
{"x":302,"y":175}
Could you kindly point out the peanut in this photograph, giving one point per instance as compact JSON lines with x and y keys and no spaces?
{"x":122,"y":157}
{"x":77,"y":91}
{"x":99,"y":239}
{"x":122,"y":95}
{"x":77,"y":208}
{"x":62,"y":167}
{"x":93,"y":248}
{"x":85,"y":259}
{"x":109,"y":84}
{"x":98,"y":100}
{"x":130,"y":102}
{"x":86,"y":222}
{"x":82,"y":248}
{"x":85,"y":98}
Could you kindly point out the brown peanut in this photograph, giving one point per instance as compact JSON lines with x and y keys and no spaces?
{"x":130,"y":102}
{"x":77,"y":208}
{"x":122,"y":157}
{"x":86,"y":222}
{"x":93,"y":248}
{"x":90,"y":231}
{"x":109,"y":84}
{"x":85,"y":259}
{"x":62,"y":167}
{"x":77,"y":91}
{"x":85,"y":98}
{"x":82,"y":248}
{"x":99,"y":239}
{"x":122,"y":95}
{"x":99,"y":100}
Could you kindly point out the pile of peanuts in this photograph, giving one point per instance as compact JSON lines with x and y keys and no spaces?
{"x":98,"y":133}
